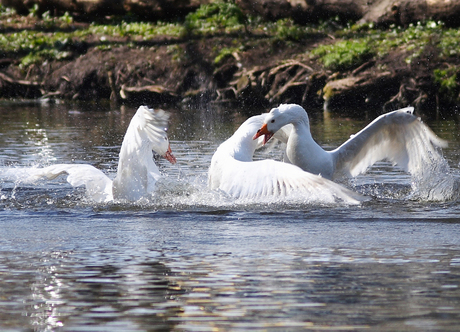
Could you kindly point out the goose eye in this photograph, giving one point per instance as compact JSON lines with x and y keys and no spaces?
{"x":273,"y":121}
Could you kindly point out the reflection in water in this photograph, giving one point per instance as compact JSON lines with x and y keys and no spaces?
{"x":187,"y":260}
{"x":319,"y":290}
{"x":308,"y":289}
{"x":64,"y":289}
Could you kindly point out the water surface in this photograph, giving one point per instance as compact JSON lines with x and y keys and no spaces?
{"x":191,"y":260}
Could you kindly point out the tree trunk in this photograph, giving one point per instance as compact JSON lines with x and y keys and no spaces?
{"x":403,"y":12}
{"x":146,"y":9}
{"x":381,"y":12}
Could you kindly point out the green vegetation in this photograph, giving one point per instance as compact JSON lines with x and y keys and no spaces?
{"x":136,"y":30}
{"x":287,"y":30}
{"x":447,"y":79}
{"x":217,"y":17}
{"x":225,"y":53}
{"x":359,"y":43}
{"x":59,"y":38}
{"x":345,"y":54}
{"x":36,"y":47}
{"x":411,"y":40}
{"x":49,"y":38}
{"x":448,"y":43}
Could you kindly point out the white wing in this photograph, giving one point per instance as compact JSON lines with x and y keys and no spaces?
{"x":98,"y":185}
{"x":269,"y":178}
{"x":234,"y":172}
{"x":137,"y":172}
{"x":399,"y":137}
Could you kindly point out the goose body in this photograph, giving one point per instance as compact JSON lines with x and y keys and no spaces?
{"x":399,"y":137}
{"x":136,"y":173}
{"x":234,"y":172}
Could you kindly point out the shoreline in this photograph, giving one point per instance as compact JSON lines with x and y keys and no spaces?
{"x":252,"y":66}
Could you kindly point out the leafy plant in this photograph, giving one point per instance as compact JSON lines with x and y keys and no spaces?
{"x":138,"y":30}
{"x":360,"y":42}
{"x":448,"y":43}
{"x":66,"y":18}
{"x":33,"y":12}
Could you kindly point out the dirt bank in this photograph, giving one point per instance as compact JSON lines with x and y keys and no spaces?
{"x":249,"y":68}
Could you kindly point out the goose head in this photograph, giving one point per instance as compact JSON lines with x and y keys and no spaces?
{"x":163,"y":148}
{"x":279,"y":117}
{"x":154,"y":123}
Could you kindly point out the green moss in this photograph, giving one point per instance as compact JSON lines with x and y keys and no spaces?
{"x":137,"y":30}
{"x":215,"y":17}
{"x":345,"y":54}
{"x":358,"y":43}
{"x":225,"y":53}
{"x":286,"y":29}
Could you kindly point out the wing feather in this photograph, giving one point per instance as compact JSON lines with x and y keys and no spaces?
{"x":270,"y":178}
{"x":137,"y":172}
{"x":98,"y":185}
{"x":399,"y":137}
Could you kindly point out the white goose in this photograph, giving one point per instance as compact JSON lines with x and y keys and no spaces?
{"x":136,"y":173}
{"x":398,"y":136}
{"x":234,"y":172}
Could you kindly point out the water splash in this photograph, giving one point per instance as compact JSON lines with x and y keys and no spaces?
{"x":436,"y":181}
{"x":186,"y":192}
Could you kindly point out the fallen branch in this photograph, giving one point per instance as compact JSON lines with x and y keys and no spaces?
{"x":148,"y":88}
{"x":19,"y":82}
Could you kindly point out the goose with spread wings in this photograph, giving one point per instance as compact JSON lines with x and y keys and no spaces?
{"x":399,"y":137}
{"x":234,"y":172}
{"x":137,"y":173}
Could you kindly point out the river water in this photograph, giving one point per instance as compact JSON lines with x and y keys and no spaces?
{"x":191,"y":260}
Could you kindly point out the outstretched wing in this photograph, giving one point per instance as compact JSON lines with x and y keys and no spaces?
{"x":147,"y":129}
{"x":269,"y":178}
{"x":137,"y":172}
{"x":399,"y":137}
{"x":98,"y":185}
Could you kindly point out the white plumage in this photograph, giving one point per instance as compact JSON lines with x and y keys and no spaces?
{"x":136,"y":173}
{"x":398,"y":136}
{"x":234,"y":172}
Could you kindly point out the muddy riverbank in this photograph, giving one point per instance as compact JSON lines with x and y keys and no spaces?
{"x":220,"y":56}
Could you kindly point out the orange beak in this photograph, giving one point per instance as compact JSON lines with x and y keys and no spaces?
{"x":263,"y":131}
{"x":169,"y":156}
